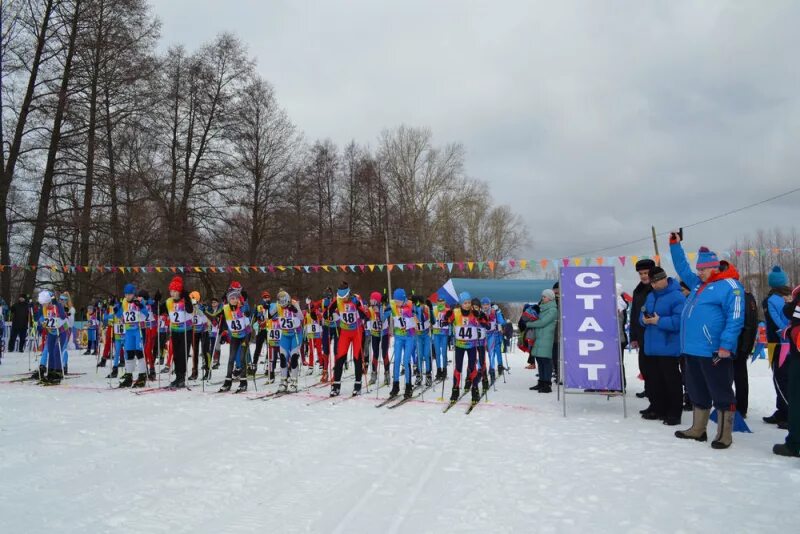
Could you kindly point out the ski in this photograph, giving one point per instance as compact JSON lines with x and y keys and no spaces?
{"x":156,"y":390}
{"x":471,"y":407}
{"x":387,"y":401}
{"x":453,"y":403}
{"x":413,"y":397}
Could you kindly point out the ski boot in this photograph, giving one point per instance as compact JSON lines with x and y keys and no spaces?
{"x":386,"y":378}
{"x":455,"y":395}
{"x":271,"y":377}
{"x":418,"y":380}
{"x":500,"y":370}
{"x":251,"y":370}
{"x":324,"y":378}
{"x":179,"y":383}
{"x":357,"y":389}
{"x":284,"y":386}
{"x":476,"y":395}
{"x":242,"y":386}
{"x":114,"y":373}
{"x":409,"y":391}
{"x":395,"y":389}
{"x":40,"y":373}
{"x":151,"y":374}
{"x":215,"y":366}
{"x":206,"y":373}
{"x":546,"y":387}
{"x":335,"y":390}
{"x":226,"y":386}
{"x":165,"y":370}
{"x":293,"y":385}
{"x":141,"y":380}
{"x":491,"y":376}
{"x":87,"y":353}
{"x":101,"y":363}
{"x":193,"y":376}
{"x":53,"y":378}
{"x":373,"y":377}
{"x":485,"y":382}
{"x":66,"y":369}
{"x":428,"y":380}
{"x":127,"y":380}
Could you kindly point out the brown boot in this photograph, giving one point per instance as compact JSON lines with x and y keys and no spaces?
{"x":697,"y":431}
{"x":724,"y":430}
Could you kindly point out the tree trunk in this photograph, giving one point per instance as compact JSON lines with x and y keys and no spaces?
{"x":49,"y":171}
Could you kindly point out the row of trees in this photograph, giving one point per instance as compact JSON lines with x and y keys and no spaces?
{"x":114,"y":154}
{"x":770,"y":247}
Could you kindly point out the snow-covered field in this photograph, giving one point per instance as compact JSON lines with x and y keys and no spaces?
{"x":85,"y":458}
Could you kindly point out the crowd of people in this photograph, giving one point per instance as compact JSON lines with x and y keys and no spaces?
{"x":694,"y":335}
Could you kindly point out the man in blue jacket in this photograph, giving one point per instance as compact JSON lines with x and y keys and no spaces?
{"x":711,"y":322}
{"x":661,"y":319}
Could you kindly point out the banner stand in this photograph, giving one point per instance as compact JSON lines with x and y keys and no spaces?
{"x":562,"y":390}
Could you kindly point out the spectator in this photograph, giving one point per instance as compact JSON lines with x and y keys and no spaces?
{"x":710,"y":328}
{"x":791,"y":447}
{"x":508,"y":333}
{"x":545,"y":328}
{"x":637,"y":330}
{"x":776,"y":322}
{"x":20,"y":312}
{"x":556,"y":342}
{"x":661,"y":319}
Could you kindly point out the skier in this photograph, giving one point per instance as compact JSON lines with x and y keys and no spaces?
{"x":213,"y":313}
{"x":66,"y":301}
{"x":199,"y":336}
{"x":494,"y":337}
{"x":287,"y":313}
{"x":262,"y":322}
{"x":378,"y":316}
{"x":179,"y":309}
{"x":237,"y":320}
{"x":441,"y":331}
{"x":351,"y":316}
{"x":466,"y":322}
{"x":405,"y":330}
{"x":330,"y":325}
{"x":92,"y":325}
{"x":422,"y":311}
{"x":150,"y":333}
{"x":54,"y":319}
{"x":118,"y":344}
{"x":133,"y":313}
{"x":273,"y":348}
{"x":313,"y":330}
{"x":481,"y":345}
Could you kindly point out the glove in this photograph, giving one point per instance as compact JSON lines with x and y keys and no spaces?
{"x":495,"y":307}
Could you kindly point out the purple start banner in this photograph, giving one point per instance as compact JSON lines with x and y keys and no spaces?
{"x":590,"y":329}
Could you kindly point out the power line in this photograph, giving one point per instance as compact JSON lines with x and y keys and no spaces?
{"x":697,"y":223}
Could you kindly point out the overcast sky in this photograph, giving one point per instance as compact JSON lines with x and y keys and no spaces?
{"x":593,"y":120}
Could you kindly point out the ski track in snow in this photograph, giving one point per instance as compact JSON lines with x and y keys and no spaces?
{"x":83,"y":458}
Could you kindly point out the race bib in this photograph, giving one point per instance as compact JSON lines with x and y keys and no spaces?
{"x":467,"y":333}
{"x":287,"y":323}
{"x":178,"y":316}
{"x":119,"y":329}
{"x":274,"y":335}
{"x":312,"y":328}
{"x":349,"y":317}
{"x":129,"y":316}
{"x":238,"y":325}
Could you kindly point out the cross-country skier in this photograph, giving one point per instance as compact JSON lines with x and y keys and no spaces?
{"x":54,"y":320}
{"x":213,"y":313}
{"x":92,"y":326}
{"x":378,"y":317}
{"x":351,"y":316}
{"x":179,"y":309}
{"x":290,"y":318}
{"x":237,"y":320}
{"x":405,"y":331}
{"x":313,"y":330}
{"x":133,"y":312}
{"x":494,"y":337}
{"x":422,"y":311}
{"x":466,"y":322}
{"x":441,"y":331}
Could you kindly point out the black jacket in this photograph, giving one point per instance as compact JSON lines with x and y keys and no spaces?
{"x":19,"y":312}
{"x":639,"y":297}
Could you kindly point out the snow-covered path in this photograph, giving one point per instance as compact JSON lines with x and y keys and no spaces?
{"x":83,"y":458}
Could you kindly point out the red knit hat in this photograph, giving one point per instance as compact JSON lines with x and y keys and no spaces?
{"x":176,"y":284}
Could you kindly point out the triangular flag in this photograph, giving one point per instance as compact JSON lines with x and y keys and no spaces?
{"x":490,"y":263}
{"x":470,"y":265}
{"x":692,"y":256}
{"x":481,"y":265}
{"x":371,"y":267}
{"x":306,"y":268}
{"x":512,"y":263}
{"x":599,"y":260}
{"x":523,"y":264}
{"x":634,"y":259}
{"x":325,"y":268}
{"x":622,"y":260}
{"x":420,"y":265}
{"x":381,"y":266}
{"x":565,"y":261}
{"x":401,"y":266}
{"x":543,"y":263}
{"x":577,"y":261}
{"x":450,"y":267}
{"x":460,"y":265}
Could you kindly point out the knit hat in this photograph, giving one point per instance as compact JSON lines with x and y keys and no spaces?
{"x":778,"y":278}
{"x":549,"y":293}
{"x":265,"y":295}
{"x":485,"y":300}
{"x":283,"y":298}
{"x":195,"y":296}
{"x":45,"y":297}
{"x":130,"y":289}
{"x":707,"y":259}
{"x":645,"y":265}
{"x":464,"y":296}
{"x":399,"y":294}
{"x":657,"y":273}
{"x":375,"y":295}
{"x":176,"y":284}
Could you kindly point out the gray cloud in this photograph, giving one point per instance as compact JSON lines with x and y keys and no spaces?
{"x":593,"y":120}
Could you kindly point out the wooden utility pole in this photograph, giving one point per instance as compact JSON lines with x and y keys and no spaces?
{"x":655,"y":246}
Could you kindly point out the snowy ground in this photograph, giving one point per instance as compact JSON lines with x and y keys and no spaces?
{"x":83,"y":458}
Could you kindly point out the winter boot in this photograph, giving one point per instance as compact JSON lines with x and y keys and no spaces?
{"x":40,"y":373}
{"x":774,"y":419}
{"x":476,"y":395}
{"x":456,"y":393}
{"x":193,"y":376}
{"x":242,"y":386}
{"x":537,"y":387}
{"x":491,"y":377}
{"x":335,"y":390}
{"x":271,"y":379}
{"x":546,"y":387}
{"x":206,"y":373}
{"x":373,"y":377}
{"x":386,"y":378}
{"x":395,"y":389}
{"x":293,"y":385}
{"x":226,"y":386}
{"x":141,"y":380}
{"x":697,"y":431}
{"x":180,"y":382}
{"x":500,"y":370}
{"x":127,"y":380}
{"x":284,"y":384}
{"x":409,"y":391}
{"x":724,"y":429}
{"x":428,"y":380}
{"x":87,"y":353}
{"x":114,"y":373}
{"x":101,"y":363}
{"x":783,"y":449}
{"x":215,"y":365}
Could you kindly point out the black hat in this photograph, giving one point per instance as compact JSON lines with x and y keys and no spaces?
{"x":555,"y":286}
{"x":657,"y":273}
{"x":645,"y":265}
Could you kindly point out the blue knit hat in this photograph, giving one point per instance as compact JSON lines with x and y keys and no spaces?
{"x":778,"y":278}
{"x":464,"y":297}
{"x":130,"y":289}
{"x":399,"y":294}
{"x":485,"y":300}
{"x":707,"y":259}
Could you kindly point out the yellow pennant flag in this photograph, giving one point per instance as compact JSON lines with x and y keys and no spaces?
{"x":523,"y":264}
{"x":692,"y":256}
{"x":577,"y":261}
{"x":470,"y":264}
{"x":634,"y":259}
